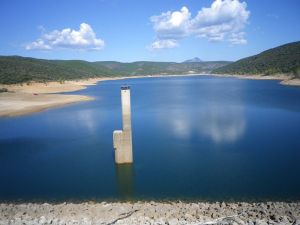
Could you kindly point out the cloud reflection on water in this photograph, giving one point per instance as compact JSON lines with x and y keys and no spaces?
{"x":86,"y":119}
{"x":181,"y":127}
{"x":222,"y":123}
{"x":205,"y":109}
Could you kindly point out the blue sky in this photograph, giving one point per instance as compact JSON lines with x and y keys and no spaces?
{"x":154,"y":30}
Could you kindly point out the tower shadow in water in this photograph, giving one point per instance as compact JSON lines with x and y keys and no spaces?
{"x":125,"y":181}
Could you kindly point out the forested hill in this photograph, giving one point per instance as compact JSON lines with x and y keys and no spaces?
{"x":284,"y":59}
{"x":17,"y":69}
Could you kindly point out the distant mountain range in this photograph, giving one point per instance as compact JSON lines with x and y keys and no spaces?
{"x":196,"y":59}
{"x":284,"y":59}
{"x":17,"y":69}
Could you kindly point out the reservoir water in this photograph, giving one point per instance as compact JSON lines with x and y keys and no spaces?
{"x":200,"y":137}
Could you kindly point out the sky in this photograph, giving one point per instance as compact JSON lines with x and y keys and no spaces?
{"x":146,"y":30}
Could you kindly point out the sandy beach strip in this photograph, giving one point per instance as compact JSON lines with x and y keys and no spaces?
{"x":152,"y":213}
{"x":34,"y":97}
{"x":16,"y":104}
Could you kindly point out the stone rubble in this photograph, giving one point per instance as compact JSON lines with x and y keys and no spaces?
{"x":168,"y":213}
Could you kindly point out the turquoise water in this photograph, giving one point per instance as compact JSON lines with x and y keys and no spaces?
{"x":201,"y":137}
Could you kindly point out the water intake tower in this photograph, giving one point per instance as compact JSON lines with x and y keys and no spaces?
{"x":122,"y":139}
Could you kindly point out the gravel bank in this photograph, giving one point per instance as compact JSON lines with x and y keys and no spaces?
{"x":151,"y":213}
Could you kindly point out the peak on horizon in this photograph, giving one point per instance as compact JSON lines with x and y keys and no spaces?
{"x":195,"y":59}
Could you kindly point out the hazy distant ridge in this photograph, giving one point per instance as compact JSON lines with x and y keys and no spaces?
{"x":196,"y":59}
{"x":17,"y":69}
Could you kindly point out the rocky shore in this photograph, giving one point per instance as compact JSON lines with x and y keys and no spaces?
{"x":151,"y":213}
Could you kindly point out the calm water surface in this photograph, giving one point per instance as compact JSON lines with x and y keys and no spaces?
{"x":206,"y":138}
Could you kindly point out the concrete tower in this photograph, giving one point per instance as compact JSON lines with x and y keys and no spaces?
{"x":122,"y":138}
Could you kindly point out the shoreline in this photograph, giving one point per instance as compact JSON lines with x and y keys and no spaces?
{"x":23,"y":99}
{"x":283,"y":78}
{"x":151,"y":212}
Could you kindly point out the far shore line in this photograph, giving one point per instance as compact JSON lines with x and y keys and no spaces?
{"x":22,"y":99}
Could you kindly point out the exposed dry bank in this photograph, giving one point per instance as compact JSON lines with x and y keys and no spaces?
{"x":34,"y":97}
{"x":151,"y":213}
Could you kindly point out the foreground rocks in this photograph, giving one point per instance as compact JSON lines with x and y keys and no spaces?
{"x":151,"y":213}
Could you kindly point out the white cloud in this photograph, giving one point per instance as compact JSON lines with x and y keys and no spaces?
{"x":224,"y":17}
{"x":84,"y":39}
{"x":162,"y":44}
{"x":238,"y":38}
{"x":223,"y":20}
{"x":38,"y":44}
{"x":172,"y":25}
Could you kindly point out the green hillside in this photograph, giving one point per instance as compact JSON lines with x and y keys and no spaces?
{"x":284,"y":59}
{"x":152,"y":68}
{"x":16,"y":69}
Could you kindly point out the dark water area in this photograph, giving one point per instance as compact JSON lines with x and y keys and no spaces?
{"x":202,"y":137}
